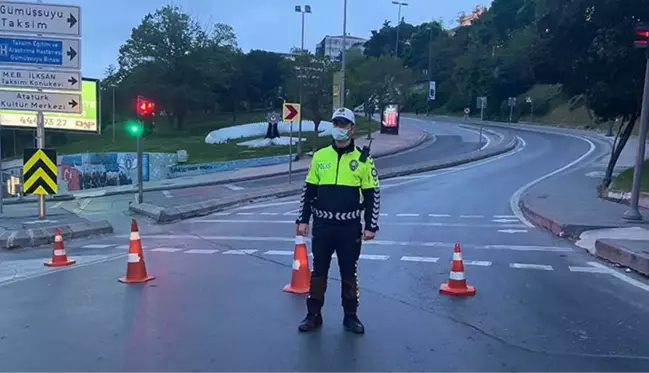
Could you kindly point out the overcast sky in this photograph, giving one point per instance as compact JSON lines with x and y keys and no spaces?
{"x":259,"y":24}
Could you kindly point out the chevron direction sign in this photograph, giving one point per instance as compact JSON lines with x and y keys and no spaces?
{"x":39,"y":172}
{"x":291,"y":112}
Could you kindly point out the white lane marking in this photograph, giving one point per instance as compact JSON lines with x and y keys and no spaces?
{"x":439,"y":215}
{"x":587,"y":269}
{"x":621,"y":276}
{"x":165,"y":250}
{"x":382,"y":214}
{"x":477,"y":132}
{"x":245,"y":213}
{"x":221,"y":214}
{"x":372,"y":242}
{"x":512,"y":231}
{"x":234,"y":187}
{"x":290,"y":214}
{"x":57,"y":205}
{"x":425,"y":259}
{"x":407,"y":215}
{"x":479,"y":263}
{"x":201,"y":251}
{"x":373,"y":257}
{"x":97,"y":246}
{"x":167,"y":194}
{"x":270,"y":213}
{"x":505,"y":217}
{"x":462,"y":168}
{"x":425,"y":224}
{"x":471,"y":216}
{"x":596,"y":174}
{"x":514,"y":201}
{"x":122,"y":247}
{"x":542,"y":267}
{"x":273,"y":204}
{"x":82,"y":205}
{"x":239,"y":252}
{"x":505,"y":220}
{"x":278,"y":252}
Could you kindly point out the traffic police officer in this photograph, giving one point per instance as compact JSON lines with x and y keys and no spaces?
{"x":341,"y":185}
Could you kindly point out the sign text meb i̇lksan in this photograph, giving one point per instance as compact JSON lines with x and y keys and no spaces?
{"x":390,"y":119}
{"x":86,"y":121}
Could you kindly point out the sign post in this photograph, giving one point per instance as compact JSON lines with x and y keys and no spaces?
{"x":49,"y":60}
{"x":511,"y":102}
{"x":291,"y":113}
{"x":481,"y":103}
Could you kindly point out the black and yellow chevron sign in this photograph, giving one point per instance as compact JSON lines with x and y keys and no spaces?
{"x":39,"y":171}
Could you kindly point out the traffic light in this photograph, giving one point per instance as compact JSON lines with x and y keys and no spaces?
{"x":144,"y":107}
{"x":641,"y":36}
{"x":134,"y":128}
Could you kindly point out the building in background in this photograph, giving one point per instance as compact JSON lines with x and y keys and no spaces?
{"x":467,"y":19}
{"x":332,"y":46}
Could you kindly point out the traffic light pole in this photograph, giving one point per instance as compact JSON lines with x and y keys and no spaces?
{"x":633,"y":213}
{"x":139,"y":169}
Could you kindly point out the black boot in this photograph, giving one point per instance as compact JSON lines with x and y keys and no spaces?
{"x":311,"y":322}
{"x":353,"y":324}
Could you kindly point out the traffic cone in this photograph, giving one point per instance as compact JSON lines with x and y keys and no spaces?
{"x":59,"y":257}
{"x":135,"y":269}
{"x":456,"y":284}
{"x":300,"y":275}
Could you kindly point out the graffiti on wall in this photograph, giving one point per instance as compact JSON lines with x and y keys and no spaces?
{"x":96,"y":170}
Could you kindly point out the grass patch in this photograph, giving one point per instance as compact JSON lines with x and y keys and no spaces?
{"x":192,"y":139}
{"x":624,"y":181}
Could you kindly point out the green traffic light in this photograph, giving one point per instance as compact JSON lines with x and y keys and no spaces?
{"x":134,"y":128}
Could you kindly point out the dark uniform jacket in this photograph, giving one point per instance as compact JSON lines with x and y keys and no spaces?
{"x":339,"y":187}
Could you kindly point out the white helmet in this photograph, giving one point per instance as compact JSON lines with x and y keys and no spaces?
{"x":345,"y":114}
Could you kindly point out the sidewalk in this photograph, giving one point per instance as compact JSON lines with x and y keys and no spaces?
{"x":570,"y":207}
{"x":21,"y":227}
{"x":382,"y":145}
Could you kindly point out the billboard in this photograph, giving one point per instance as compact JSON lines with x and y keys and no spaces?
{"x":390,"y":119}
{"x":87,"y":121}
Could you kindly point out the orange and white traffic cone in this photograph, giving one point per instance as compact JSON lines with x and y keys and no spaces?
{"x":135,"y":269}
{"x":59,"y":256}
{"x":300,"y":275}
{"x":456,"y":284}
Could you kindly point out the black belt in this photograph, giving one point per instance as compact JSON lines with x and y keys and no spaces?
{"x":340,"y":216}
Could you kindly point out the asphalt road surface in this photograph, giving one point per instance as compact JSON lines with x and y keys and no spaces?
{"x":217,"y":302}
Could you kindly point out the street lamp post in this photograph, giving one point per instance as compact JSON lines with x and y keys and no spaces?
{"x":298,"y":9}
{"x":400,"y":4}
{"x":633,"y":213}
{"x":344,"y":53}
{"x":430,"y":64}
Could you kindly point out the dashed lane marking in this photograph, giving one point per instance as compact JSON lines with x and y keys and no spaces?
{"x":502,"y":220}
{"x":122,"y":247}
{"x":505,"y":217}
{"x":471,"y":216}
{"x":418,"y":223}
{"x":165,"y":250}
{"x":371,"y":243}
{"x":97,"y":246}
{"x":270,"y":213}
{"x":374,"y":257}
{"x":245,"y":213}
{"x":439,"y":215}
{"x":542,"y":267}
{"x":239,"y":252}
{"x":512,"y":231}
{"x":424,"y":259}
{"x":405,"y":215}
{"x":587,"y":269}
{"x":234,"y":187}
{"x":478,"y":263}
{"x":201,"y":251}
{"x":278,"y":252}
{"x":167,"y":194}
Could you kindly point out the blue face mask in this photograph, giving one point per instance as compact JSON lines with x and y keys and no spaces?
{"x":340,"y":134}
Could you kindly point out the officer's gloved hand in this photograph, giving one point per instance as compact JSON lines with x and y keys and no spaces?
{"x":368,"y":235}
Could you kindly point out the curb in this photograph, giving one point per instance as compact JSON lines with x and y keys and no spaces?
{"x":618,"y":254}
{"x":89,"y":194}
{"x":41,"y":236}
{"x":570,"y":231}
{"x":54,"y":198}
{"x":165,"y":215}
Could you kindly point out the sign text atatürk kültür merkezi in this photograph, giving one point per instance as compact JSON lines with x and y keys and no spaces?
{"x":34,"y":18}
{"x":40,"y":101}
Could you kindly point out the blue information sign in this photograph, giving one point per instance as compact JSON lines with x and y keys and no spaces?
{"x":62,"y":53}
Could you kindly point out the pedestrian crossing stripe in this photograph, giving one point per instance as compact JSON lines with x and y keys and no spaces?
{"x":39,"y":172}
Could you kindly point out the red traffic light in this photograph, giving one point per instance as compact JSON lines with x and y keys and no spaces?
{"x":641,"y":36}
{"x":144,"y":106}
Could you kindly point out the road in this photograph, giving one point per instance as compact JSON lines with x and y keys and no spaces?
{"x":217,"y":302}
